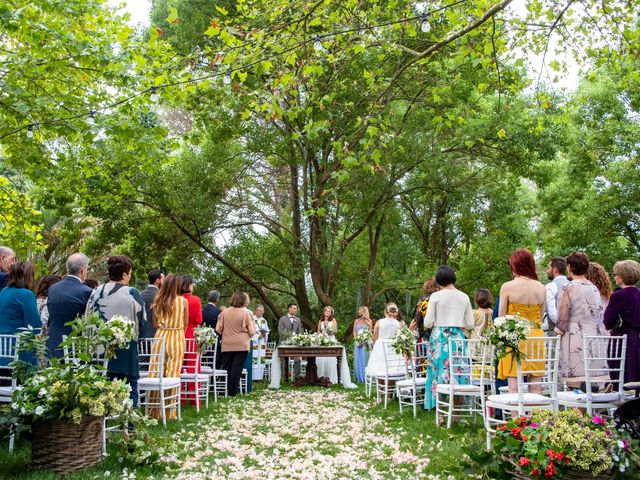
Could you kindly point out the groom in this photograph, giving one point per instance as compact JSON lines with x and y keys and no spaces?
{"x":287,"y":326}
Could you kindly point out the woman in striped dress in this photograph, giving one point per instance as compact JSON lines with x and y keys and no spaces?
{"x":170,"y":315}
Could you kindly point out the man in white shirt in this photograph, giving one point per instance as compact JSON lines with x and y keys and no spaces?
{"x":260,"y":340}
{"x":557,"y":273}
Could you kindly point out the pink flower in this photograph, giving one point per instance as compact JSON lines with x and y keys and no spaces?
{"x":598,"y":420}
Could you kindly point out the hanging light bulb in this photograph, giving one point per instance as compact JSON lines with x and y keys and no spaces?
{"x":317,"y":43}
{"x":91,"y":120}
{"x":425,"y":26}
{"x":154,"y":94}
{"x":30,"y":131}
{"x":227,"y":77}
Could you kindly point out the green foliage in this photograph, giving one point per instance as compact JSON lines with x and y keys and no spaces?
{"x":20,"y":222}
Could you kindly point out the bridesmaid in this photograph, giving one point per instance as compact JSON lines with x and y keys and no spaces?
{"x":194,"y":321}
{"x":170,"y":313}
{"x":360,"y":357}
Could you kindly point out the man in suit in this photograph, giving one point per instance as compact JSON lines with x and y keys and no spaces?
{"x":67,"y":300}
{"x":210,"y":313}
{"x":288,"y":325}
{"x":7,"y":258}
{"x":156,"y":277}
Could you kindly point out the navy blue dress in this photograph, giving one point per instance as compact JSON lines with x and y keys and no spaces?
{"x":18,"y":310}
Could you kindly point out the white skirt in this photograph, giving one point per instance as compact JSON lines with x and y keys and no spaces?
{"x":328,"y":367}
{"x":377,"y":365}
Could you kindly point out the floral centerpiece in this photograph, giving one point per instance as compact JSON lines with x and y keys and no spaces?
{"x":205,"y":337}
{"x":566,"y":444}
{"x":306,"y":339}
{"x":506,"y":335}
{"x":404,"y":342}
{"x":364,"y":339}
{"x":115,"y":333}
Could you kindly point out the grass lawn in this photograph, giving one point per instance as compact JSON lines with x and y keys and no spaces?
{"x":303,"y":433}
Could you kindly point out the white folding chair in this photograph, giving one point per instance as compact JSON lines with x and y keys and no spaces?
{"x":8,"y":354}
{"x":195,"y":382}
{"x":468,"y":366}
{"x":541,"y":355}
{"x":218,"y":376}
{"x":411,"y":391}
{"x":152,"y":352}
{"x":602,"y":356}
{"x":268,"y":359}
{"x":243,"y":381}
{"x":395,"y":369}
{"x":368,"y":384}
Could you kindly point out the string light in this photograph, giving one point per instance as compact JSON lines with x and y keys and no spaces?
{"x":317,"y":43}
{"x":154,"y":94}
{"x":227,"y":77}
{"x":30,"y":131}
{"x":425,"y":26}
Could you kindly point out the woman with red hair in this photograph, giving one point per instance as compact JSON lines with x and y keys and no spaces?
{"x":525,"y":296}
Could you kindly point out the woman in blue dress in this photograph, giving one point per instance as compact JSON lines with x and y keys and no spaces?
{"x":360,"y":353}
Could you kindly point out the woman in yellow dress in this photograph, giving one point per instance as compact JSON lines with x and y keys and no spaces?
{"x":525,"y":296}
{"x":170,"y":319}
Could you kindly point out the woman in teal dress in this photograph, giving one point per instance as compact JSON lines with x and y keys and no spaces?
{"x":360,"y":352}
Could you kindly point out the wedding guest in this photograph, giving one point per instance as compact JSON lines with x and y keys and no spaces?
{"x":156,"y":277}
{"x":483,"y":315}
{"x":363,"y":322}
{"x":448,"y":315}
{"x":7,"y":258}
{"x":599,"y":277}
{"x":417,"y":323}
{"x":622,"y":316}
{"x":235,"y":324}
{"x":210,"y":313}
{"x":91,"y":283}
{"x":42,"y":292}
{"x":18,"y":307}
{"x":260,"y":340}
{"x":113,"y":298}
{"x":328,"y":325}
{"x":67,"y":300}
{"x":289,"y":325}
{"x":580,"y":314}
{"x":171,"y":312}
{"x":527,"y":297}
{"x":557,"y":273}
{"x":193,"y":322}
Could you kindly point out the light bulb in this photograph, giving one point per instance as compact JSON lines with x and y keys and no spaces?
{"x":154,"y":94}
{"x":30,"y":131}
{"x":317,"y":43}
{"x":425,"y":25}
{"x":227,"y":77}
{"x":91,"y":120}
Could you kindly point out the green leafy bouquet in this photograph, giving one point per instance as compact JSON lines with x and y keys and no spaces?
{"x":506,"y":335}
{"x":364,"y":339}
{"x":115,"y":333}
{"x":205,"y":337}
{"x":404,"y":342}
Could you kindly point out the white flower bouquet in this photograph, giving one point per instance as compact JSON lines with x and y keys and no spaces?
{"x":507,"y":333}
{"x":307,"y":339}
{"x":117,"y":332}
{"x":205,"y":337}
{"x":331,"y":329}
{"x":364,"y":339}
{"x":404,"y":342}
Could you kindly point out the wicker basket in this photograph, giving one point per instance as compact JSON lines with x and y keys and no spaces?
{"x":66,"y":447}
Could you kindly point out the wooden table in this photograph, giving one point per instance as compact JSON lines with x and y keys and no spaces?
{"x":310,"y":353}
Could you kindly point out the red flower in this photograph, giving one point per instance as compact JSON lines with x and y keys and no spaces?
{"x":535,"y":471}
{"x":559,"y":455}
{"x":524,"y":461}
{"x":516,"y":432}
{"x":551,"y":471}
{"x":502,"y":427}
{"x":524,"y":438}
{"x":551,"y":454}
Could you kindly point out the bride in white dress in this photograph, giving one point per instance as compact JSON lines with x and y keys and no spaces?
{"x":383,"y":332}
{"x":328,"y":366}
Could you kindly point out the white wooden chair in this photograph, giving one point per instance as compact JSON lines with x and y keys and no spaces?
{"x":168,"y":388}
{"x":268,"y":360}
{"x":244,"y":376}
{"x":195,"y":385}
{"x":599,"y":353}
{"x":8,"y":354}
{"x":394,"y":371}
{"x":543,"y":355}
{"x":411,"y":391}
{"x":469,"y":363}
{"x":218,"y":376}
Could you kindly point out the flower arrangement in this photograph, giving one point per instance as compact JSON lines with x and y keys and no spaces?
{"x":364,"y":339}
{"x":115,"y":333}
{"x":331,"y":331}
{"x":404,"y":342}
{"x":205,"y":337}
{"x":552,"y":445}
{"x":306,"y":339}
{"x":507,"y":333}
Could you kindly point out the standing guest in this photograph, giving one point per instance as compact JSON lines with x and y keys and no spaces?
{"x":363,"y":322}
{"x":622,"y":316}
{"x":171,"y":312}
{"x":42,"y":292}
{"x":383,"y":332}
{"x":483,"y":315}
{"x":599,"y":277}
{"x":328,"y":325}
{"x":113,"y":298}
{"x":194,"y":321}
{"x":67,"y":300}
{"x":289,"y":325}
{"x":91,"y":283}
{"x":210,"y":313}
{"x":18,"y":307}
{"x":417,"y":324}
{"x":260,"y":340}
{"x":7,"y":258}
{"x":525,"y":296}
{"x":557,"y":273}
{"x":156,"y":277}
{"x":580,"y":313}
{"x":449,"y":314}
{"x":235,"y":324}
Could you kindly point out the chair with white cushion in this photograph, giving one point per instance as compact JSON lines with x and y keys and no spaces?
{"x":542,"y":356}
{"x":411,"y":391}
{"x":151,"y":353}
{"x":470,"y":364}
{"x":195,"y":382}
{"x":8,"y":354}
{"x":394,"y":371}
{"x":602,"y":356}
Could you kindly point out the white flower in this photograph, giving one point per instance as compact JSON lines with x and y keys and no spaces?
{"x":42,"y":392}
{"x":39,"y":410}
